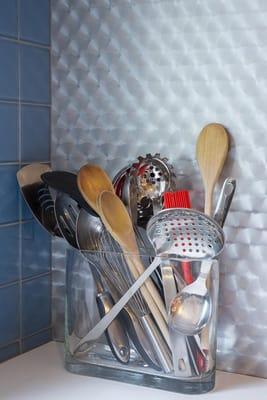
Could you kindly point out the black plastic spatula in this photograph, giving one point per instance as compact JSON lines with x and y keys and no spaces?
{"x":66,"y":182}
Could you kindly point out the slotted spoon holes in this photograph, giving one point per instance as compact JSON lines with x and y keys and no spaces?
{"x":187,"y":237}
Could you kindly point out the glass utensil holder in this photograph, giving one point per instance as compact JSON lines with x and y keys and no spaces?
{"x":140,"y":345}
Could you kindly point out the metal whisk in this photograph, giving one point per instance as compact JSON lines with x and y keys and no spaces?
{"x":115,"y":269}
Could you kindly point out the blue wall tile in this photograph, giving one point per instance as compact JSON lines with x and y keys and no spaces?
{"x":8,"y":132}
{"x":8,"y":18}
{"x":36,"y":340}
{"x":9,"y":314}
{"x":35,"y":139}
{"x":9,"y":351}
{"x":36,"y":249}
{"x":25,"y":248}
{"x":9,"y":87}
{"x":25,"y":209}
{"x":9,"y":259}
{"x":35,"y":21}
{"x":35,"y":74}
{"x":36,"y":300}
{"x":9,"y":194}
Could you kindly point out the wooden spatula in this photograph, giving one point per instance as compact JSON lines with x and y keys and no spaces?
{"x":211,"y":151}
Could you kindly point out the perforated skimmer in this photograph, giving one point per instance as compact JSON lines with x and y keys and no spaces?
{"x":185,"y":234}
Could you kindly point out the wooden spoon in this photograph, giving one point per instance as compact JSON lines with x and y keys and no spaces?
{"x":116,"y":219}
{"x":211,"y":151}
{"x":92,"y":181}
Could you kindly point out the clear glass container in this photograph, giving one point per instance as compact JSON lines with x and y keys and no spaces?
{"x":134,"y":349}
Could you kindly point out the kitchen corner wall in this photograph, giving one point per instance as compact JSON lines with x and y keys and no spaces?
{"x":25,"y":265}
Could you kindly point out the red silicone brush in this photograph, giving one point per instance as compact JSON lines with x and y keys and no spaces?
{"x":180,"y":199}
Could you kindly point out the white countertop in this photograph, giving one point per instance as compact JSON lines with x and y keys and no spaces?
{"x":40,"y":375}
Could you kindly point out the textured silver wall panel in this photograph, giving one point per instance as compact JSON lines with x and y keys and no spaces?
{"x":131,"y":77}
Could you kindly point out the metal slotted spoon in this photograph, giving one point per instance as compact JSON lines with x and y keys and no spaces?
{"x":190,"y":235}
{"x":185,"y":234}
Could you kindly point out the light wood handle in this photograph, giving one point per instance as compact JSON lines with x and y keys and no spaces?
{"x":153,"y":306}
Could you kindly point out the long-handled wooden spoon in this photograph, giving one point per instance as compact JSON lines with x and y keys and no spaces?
{"x":211,"y":152}
{"x":116,"y":219}
{"x":92,"y":180}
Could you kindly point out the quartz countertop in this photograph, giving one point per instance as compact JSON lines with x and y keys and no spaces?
{"x":40,"y":374}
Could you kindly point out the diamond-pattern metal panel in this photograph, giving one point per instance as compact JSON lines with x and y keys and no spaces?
{"x":137,"y":76}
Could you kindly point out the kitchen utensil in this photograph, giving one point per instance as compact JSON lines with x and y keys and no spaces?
{"x":92,"y":182}
{"x":89,"y":229}
{"x":191,"y":309}
{"x":211,"y":151}
{"x":154,"y":177}
{"x":37,"y":196}
{"x":118,"y":271}
{"x":183,"y":233}
{"x":224,"y":201}
{"x":202,"y":230}
{"x":128,"y":194}
{"x":180,"y":199}
{"x":67,"y":211}
{"x":66,"y":182}
{"x":117,"y":221}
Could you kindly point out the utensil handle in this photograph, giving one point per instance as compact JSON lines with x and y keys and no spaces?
{"x":140,"y":340}
{"x":161,"y":349}
{"x":102,"y":325}
{"x":224,"y":201}
{"x":150,"y":299}
{"x":137,"y":269}
{"x":116,"y":336}
{"x":187,"y":272}
{"x":168,"y":281}
{"x":208,"y":201}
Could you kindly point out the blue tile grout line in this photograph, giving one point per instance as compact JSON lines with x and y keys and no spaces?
{"x":26,"y":42}
{"x":20,"y":199}
{"x":25,"y":103}
{"x":26,"y":337}
{"x":24,"y":280}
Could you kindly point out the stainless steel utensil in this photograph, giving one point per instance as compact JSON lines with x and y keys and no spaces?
{"x":67,"y":211}
{"x":199,"y":237}
{"x":154,"y":177}
{"x":224,"y":201}
{"x":191,"y":309}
